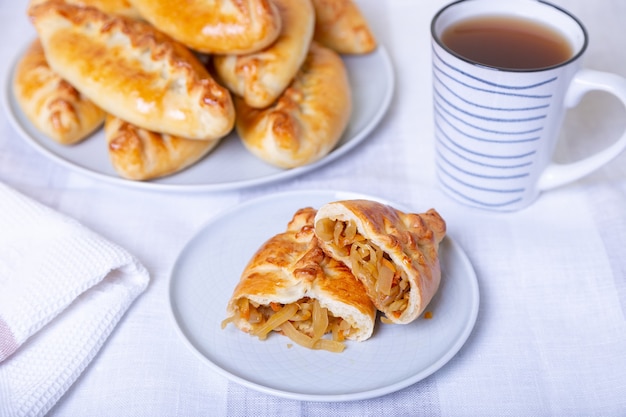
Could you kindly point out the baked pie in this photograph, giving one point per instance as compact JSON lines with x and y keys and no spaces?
{"x":215,"y":26}
{"x":120,"y":7}
{"x":133,"y":71}
{"x":140,"y":154}
{"x":292,"y":287}
{"x":394,"y":254}
{"x":307,"y":120}
{"x":341,"y":26}
{"x":52,"y":104}
{"x":261,"y":77}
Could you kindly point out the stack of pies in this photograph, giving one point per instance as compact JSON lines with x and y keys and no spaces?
{"x":323,"y":280}
{"x":169,"y":80}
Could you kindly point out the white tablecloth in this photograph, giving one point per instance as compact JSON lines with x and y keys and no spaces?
{"x":550,"y":338}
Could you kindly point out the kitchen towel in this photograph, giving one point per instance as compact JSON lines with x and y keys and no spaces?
{"x":63,"y":289}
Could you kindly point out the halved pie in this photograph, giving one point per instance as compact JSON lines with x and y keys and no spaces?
{"x":292,"y":287}
{"x":394,"y":254}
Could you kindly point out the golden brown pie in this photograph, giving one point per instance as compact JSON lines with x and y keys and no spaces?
{"x":262,"y":76}
{"x":52,"y":104}
{"x":292,"y":287}
{"x":341,"y":26}
{"x":140,"y":154}
{"x":215,"y":26}
{"x":394,"y":254}
{"x":131,"y":70}
{"x":307,"y":120}
{"x":120,"y":7}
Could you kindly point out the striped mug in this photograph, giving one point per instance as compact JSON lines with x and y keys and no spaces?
{"x":496,"y":127}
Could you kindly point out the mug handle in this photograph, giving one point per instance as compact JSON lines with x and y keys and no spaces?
{"x":586,"y":80}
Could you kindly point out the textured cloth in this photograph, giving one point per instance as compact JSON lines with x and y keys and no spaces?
{"x":63,"y":289}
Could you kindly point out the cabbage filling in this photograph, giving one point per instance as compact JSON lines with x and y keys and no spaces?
{"x":305,"y":322}
{"x":370,"y":263}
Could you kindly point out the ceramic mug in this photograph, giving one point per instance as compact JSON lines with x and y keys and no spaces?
{"x":496,"y":129}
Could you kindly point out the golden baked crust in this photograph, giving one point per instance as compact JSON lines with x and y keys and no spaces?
{"x":133,"y":71}
{"x":262,"y":76}
{"x":215,"y":26}
{"x":51,"y":104}
{"x":341,"y":26}
{"x":119,"y":7}
{"x":307,"y":120}
{"x":394,"y":254}
{"x":291,"y":267}
{"x":140,"y":154}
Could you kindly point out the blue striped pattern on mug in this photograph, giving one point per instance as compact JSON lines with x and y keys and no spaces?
{"x":488,"y":132}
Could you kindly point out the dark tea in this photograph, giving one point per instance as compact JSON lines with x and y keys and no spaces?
{"x":507,"y":43}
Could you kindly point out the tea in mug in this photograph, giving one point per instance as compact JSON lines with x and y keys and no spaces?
{"x":507,"y":42}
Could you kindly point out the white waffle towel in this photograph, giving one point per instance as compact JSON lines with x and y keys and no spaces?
{"x":63,"y":289}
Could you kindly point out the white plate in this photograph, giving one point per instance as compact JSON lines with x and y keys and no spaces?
{"x":395,"y":357}
{"x":229,"y":165}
